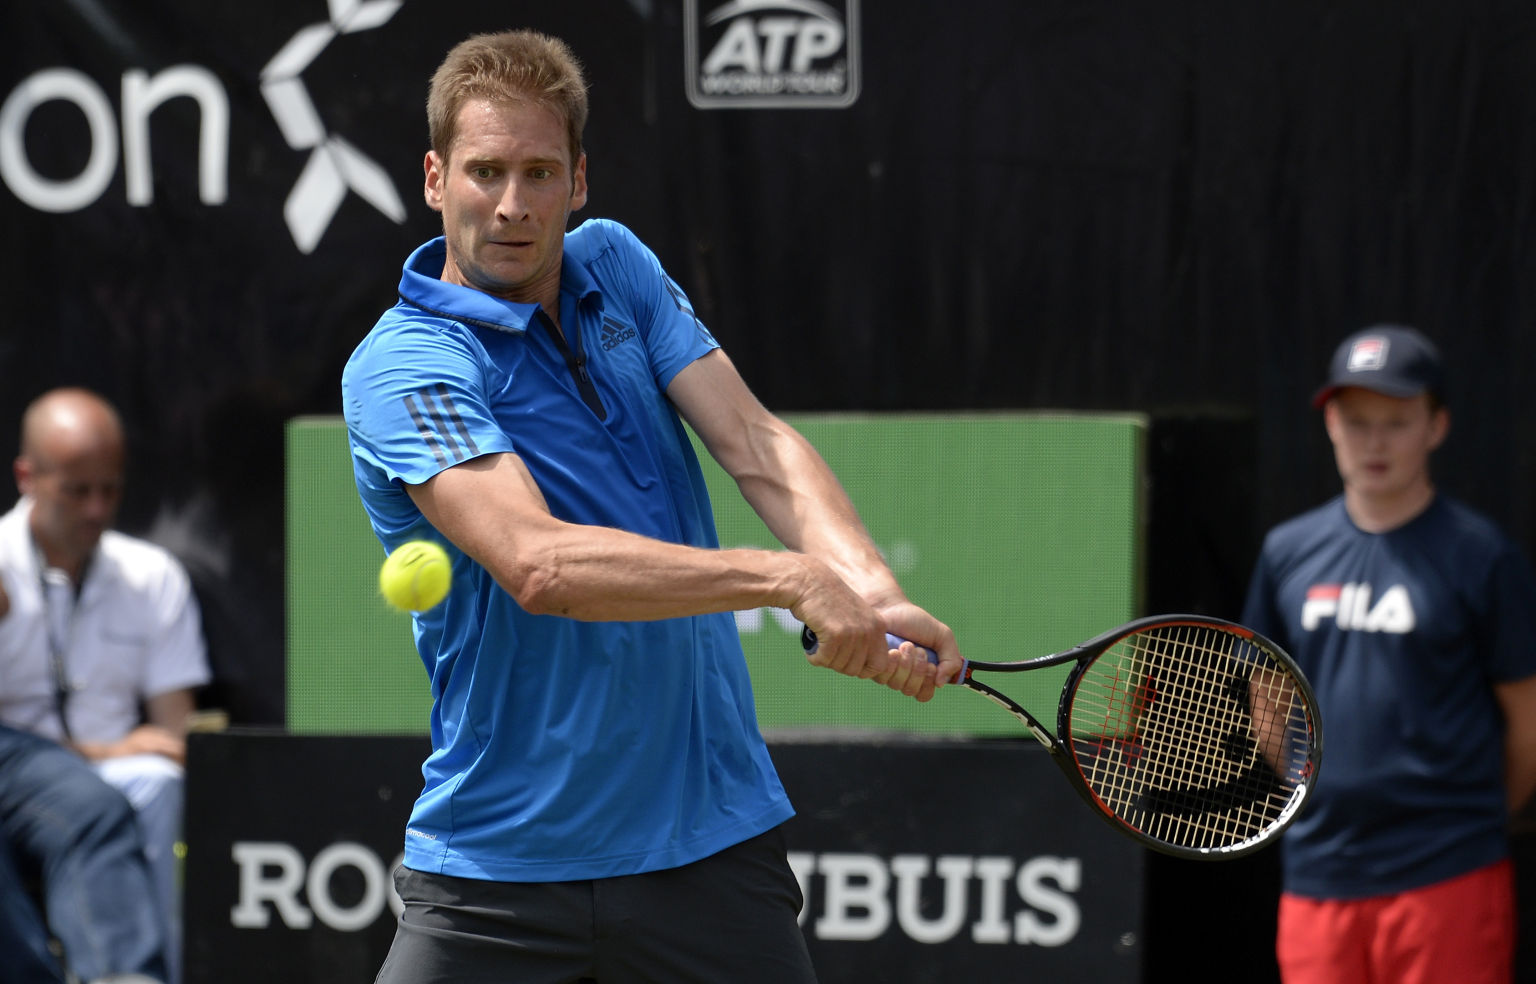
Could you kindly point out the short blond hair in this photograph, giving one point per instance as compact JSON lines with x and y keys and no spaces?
{"x":505,"y":67}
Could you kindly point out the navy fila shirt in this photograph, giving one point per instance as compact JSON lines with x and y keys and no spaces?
{"x":1402,"y":635}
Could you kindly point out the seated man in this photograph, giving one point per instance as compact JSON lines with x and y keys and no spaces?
{"x":101,"y":644}
{"x":63,"y":828}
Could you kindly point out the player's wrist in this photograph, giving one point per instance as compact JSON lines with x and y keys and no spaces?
{"x":802,"y":578}
{"x":872,"y":581}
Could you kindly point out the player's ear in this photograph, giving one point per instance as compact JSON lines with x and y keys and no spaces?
{"x":432,"y":188}
{"x":579,"y":184}
{"x":21,"y":468}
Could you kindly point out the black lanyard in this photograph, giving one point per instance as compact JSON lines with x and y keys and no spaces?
{"x":58,"y":590}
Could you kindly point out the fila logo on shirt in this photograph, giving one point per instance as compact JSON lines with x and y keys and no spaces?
{"x":1353,"y":608}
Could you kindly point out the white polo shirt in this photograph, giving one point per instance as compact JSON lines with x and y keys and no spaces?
{"x":133,"y":632}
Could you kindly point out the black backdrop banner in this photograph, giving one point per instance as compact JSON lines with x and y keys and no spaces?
{"x":1103,"y":205}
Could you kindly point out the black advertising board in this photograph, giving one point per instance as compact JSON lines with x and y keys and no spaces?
{"x":956,"y":860}
{"x":290,"y":846}
{"x":920,"y":861}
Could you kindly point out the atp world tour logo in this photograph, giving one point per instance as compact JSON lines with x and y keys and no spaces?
{"x":779,"y":54}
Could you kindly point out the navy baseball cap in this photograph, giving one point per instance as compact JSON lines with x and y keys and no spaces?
{"x":1387,"y":359}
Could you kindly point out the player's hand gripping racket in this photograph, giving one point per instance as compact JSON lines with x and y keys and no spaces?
{"x":1198,"y":737}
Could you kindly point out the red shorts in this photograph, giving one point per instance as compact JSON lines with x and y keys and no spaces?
{"x":1461,"y":930}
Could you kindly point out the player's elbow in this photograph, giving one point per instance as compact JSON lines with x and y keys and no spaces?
{"x":539,"y":589}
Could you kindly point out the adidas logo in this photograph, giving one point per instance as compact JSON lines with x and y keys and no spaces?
{"x":615,"y":334}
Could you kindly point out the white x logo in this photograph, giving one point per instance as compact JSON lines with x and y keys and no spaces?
{"x":334,"y":166}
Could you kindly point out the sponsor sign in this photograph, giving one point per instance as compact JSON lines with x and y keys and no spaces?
{"x":334,"y":167}
{"x":772,"y":54}
{"x":932,"y":871}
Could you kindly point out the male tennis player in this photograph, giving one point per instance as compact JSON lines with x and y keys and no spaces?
{"x":599,"y":804}
{"x":1414,"y":619}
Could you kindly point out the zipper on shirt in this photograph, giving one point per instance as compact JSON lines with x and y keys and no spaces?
{"x":577,"y":363}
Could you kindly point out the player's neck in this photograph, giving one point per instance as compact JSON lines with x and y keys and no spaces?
{"x":1382,"y":513}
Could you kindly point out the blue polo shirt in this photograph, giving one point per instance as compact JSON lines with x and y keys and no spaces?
{"x":1401,"y":635}
{"x":561,"y":749}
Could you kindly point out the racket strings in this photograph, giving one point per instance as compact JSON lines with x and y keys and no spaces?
{"x":1209,"y":746}
{"x":1223,"y":793}
{"x":1191,"y":735}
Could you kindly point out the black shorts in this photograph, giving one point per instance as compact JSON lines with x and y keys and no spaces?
{"x":729,"y":917}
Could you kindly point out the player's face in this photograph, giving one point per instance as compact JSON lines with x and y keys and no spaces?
{"x":1382,"y":443}
{"x":506,"y":190}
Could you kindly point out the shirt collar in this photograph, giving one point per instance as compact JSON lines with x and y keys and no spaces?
{"x":420,"y":286}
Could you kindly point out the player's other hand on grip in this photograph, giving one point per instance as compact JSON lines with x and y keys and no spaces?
{"x":913,"y":670}
{"x":910,"y":672}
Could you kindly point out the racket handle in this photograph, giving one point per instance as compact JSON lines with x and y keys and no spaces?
{"x":809,"y":643}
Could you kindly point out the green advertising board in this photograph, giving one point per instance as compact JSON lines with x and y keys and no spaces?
{"x":1022,"y":531}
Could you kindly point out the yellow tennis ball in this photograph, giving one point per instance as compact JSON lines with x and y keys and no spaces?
{"x":416,"y":576}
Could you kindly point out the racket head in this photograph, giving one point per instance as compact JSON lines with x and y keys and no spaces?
{"x":1196,"y":736}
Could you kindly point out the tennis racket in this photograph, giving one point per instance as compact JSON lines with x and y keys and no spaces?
{"x":1195,"y":736}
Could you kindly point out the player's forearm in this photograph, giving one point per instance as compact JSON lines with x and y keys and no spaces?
{"x":492,"y":510}
{"x":781,"y":476}
{"x":598,"y":574}
{"x":802,"y":503}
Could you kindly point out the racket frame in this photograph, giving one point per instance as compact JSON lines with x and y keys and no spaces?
{"x":1058,"y":743}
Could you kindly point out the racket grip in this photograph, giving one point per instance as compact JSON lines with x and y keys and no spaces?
{"x":809,"y":643}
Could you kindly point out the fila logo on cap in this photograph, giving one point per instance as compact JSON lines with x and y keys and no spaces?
{"x":1368,"y":354}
